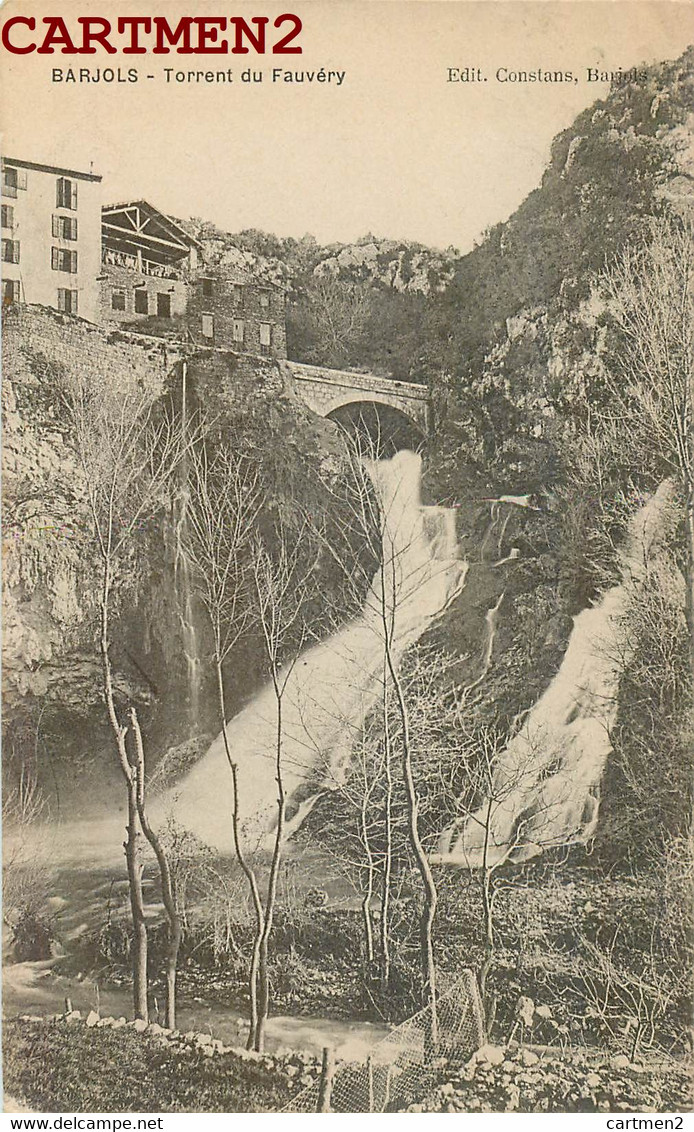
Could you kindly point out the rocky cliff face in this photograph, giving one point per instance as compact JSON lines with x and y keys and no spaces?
{"x":522,"y":342}
{"x":51,"y":671}
{"x":404,"y":267}
{"x":49,"y":571}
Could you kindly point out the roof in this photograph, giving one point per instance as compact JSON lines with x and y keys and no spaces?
{"x":168,"y":222}
{"x":17,"y":161}
{"x":241,"y":275}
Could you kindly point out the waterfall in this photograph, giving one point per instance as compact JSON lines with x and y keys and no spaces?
{"x":182,"y":575}
{"x":546,"y":782}
{"x":186,"y":612}
{"x":333,"y":684}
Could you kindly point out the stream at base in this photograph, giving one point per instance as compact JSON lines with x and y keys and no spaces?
{"x":33,"y":988}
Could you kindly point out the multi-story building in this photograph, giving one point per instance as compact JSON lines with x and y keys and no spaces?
{"x":127,"y":264}
{"x":152,"y":278}
{"x":237,"y":312}
{"x":51,"y":228}
{"x":147,"y":262}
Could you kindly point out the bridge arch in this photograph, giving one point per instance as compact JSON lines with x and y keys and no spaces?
{"x":362,"y":399}
{"x":376,"y":422}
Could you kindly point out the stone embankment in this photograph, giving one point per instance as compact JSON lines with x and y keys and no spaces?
{"x":298,"y":1068}
{"x":517,"y":1078}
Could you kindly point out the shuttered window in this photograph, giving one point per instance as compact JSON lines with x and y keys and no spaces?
{"x":65,"y":227}
{"x":11,"y":291}
{"x":64,"y":260}
{"x":67,"y":300}
{"x":65,"y":193}
{"x":10,"y":251}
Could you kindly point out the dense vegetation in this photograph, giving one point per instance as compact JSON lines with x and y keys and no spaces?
{"x":533,"y":348}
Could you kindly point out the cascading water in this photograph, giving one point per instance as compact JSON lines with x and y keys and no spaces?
{"x":184,"y":593}
{"x":182,"y":575}
{"x":329,"y":691}
{"x":333,"y":684}
{"x":546,"y":782}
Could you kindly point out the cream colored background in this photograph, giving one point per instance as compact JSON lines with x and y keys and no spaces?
{"x":396,"y":150}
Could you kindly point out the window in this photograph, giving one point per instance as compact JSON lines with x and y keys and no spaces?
{"x":9,"y":181}
{"x":65,"y":193}
{"x":264,"y":299}
{"x":164,"y":305}
{"x":238,"y":294}
{"x":63,"y":260}
{"x":238,"y":330}
{"x":10,"y":251}
{"x":265,"y":337}
{"x":118,"y":300}
{"x":208,"y":288}
{"x":67,"y":300}
{"x":65,"y":227}
{"x":7,"y":216}
{"x":141,"y":301}
{"x":208,"y":326}
{"x":11,"y":291}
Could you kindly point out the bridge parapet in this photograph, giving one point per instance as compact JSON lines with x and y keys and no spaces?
{"x":327,"y":389}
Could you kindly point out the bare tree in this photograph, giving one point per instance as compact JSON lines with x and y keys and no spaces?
{"x":393,"y":547}
{"x":127,"y":455}
{"x":222,"y":511}
{"x":336,"y":312}
{"x":24,"y":881}
{"x":650,"y":293}
{"x":280,"y":581}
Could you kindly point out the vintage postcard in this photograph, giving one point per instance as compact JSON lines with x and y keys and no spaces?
{"x":348,"y":558}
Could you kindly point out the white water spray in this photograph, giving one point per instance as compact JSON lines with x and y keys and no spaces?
{"x":332,"y":685}
{"x":546,"y":782}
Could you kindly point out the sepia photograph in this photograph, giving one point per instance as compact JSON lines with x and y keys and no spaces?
{"x":348,"y":559}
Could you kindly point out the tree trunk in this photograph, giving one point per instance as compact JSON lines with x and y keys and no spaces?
{"x":488,"y":912}
{"x":689,"y":598}
{"x":137,"y":907}
{"x":249,"y":873}
{"x":175,"y":929}
{"x":253,"y":983}
{"x":368,"y":895}
{"x":263,"y":994}
{"x":263,"y":980}
{"x":131,"y":845}
{"x":327,"y":1074}
{"x":430,"y":895}
{"x":388,"y":861}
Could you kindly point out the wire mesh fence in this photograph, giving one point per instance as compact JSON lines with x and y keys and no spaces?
{"x":401,"y":1067}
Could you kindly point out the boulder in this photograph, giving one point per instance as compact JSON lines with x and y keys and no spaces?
{"x":620,"y":1061}
{"x":488,"y":1055}
{"x":527,"y":1057}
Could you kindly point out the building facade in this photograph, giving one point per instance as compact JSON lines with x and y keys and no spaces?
{"x":51,"y":236}
{"x":237,"y":313}
{"x":127,"y":265}
{"x":147,"y":261}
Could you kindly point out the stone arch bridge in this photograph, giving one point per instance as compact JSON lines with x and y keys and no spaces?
{"x":398,"y":408}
